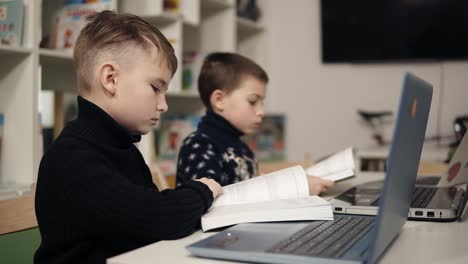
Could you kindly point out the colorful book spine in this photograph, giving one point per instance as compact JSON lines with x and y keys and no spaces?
{"x":11,"y":18}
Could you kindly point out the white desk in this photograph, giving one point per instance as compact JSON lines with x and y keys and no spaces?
{"x":418,"y":242}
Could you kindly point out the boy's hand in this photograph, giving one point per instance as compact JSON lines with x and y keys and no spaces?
{"x":213,"y":185}
{"x":318,"y":185}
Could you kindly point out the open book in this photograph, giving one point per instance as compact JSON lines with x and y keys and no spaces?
{"x":337,"y":167}
{"x":278,"y":196}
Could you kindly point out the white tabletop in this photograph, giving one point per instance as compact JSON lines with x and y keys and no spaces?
{"x":418,"y":242}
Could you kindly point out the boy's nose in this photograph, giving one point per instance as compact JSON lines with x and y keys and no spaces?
{"x":261,"y":113}
{"x":162,"y":105}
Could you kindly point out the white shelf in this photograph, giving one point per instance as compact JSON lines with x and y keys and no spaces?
{"x":246,"y":27}
{"x":210,"y":6}
{"x":190,"y":11}
{"x":55,"y":57}
{"x":58,"y":70}
{"x":54,"y":53}
{"x":187,"y":23}
{"x":5,"y":50}
{"x":162,"y":20}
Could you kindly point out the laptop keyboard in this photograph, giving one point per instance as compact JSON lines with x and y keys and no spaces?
{"x":327,"y":239}
{"x":421,"y":197}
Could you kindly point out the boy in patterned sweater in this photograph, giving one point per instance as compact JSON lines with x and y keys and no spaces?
{"x":233,"y":89}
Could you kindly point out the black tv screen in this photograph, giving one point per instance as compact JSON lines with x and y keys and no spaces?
{"x":394,"y":30}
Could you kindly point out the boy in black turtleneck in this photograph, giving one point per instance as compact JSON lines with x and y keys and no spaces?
{"x":95,"y":197}
{"x":232,"y":89}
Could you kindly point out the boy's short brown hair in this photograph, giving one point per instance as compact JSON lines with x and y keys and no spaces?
{"x":113,"y":33}
{"x":225,"y":71}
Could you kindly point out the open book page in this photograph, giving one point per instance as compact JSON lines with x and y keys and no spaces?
{"x":337,"y":167}
{"x":293,"y":209}
{"x":282,"y":184}
{"x":339,"y":175}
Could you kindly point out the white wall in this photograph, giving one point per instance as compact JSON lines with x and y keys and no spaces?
{"x":321,"y":100}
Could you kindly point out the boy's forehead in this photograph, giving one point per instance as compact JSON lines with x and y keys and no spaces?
{"x":149,"y":54}
{"x":251,"y":84}
{"x":157,"y":58}
{"x":152,"y":60}
{"x":248,"y":90}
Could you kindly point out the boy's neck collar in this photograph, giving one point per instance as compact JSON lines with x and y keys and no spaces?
{"x":102,"y":125}
{"x":215,"y":121}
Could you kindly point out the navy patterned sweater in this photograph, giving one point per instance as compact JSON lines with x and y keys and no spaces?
{"x":215,"y":150}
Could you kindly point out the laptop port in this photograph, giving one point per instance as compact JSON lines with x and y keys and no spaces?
{"x":419,"y":213}
{"x":430,"y":214}
{"x":338,"y":209}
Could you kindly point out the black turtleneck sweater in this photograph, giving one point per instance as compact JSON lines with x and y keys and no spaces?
{"x":95,"y":197}
{"x":215,"y":150}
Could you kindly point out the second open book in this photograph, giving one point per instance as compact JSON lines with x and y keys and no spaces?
{"x":279,"y":196}
{"x":336,"y":167}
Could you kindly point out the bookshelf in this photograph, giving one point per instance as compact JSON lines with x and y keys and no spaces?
{"x":18,"y":102}
{"x":200,"y":25}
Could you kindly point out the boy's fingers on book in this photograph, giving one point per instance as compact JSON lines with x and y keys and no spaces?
{"x":318,"y":185}
{"x":214,"y":186}
{"x":218,"y":188}
{"x":328,"y":183}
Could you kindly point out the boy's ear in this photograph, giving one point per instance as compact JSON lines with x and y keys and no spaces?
{"x":217,"y":100}
{"x":107,"y":75}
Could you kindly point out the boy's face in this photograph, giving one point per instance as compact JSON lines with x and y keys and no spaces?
{"x":243,"y":107}
{"x":141,"y":87}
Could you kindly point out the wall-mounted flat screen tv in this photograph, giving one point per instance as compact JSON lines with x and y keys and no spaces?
{"x":394,"y":30}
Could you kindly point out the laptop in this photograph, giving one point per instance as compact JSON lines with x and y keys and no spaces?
{"x":348,"y":238}
{"x":457,"y":172}
{"x":429,"y":203}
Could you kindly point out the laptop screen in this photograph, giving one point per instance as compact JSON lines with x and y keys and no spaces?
{"x":458,"y":167}
{"x":403,"y":162}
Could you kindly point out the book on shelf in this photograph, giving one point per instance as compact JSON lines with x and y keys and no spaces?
{"x":268,"y":143}
{"x":278,"y":196}
{"x":336,"y":167}
{"x":172,"y":6}
{"x":173,"y":129}
{"x":11,"y":22}
{"x":72,"y":18}
{"x":2,"y":120}
{"x":192,"y":62}
{"x":248,"y":9}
